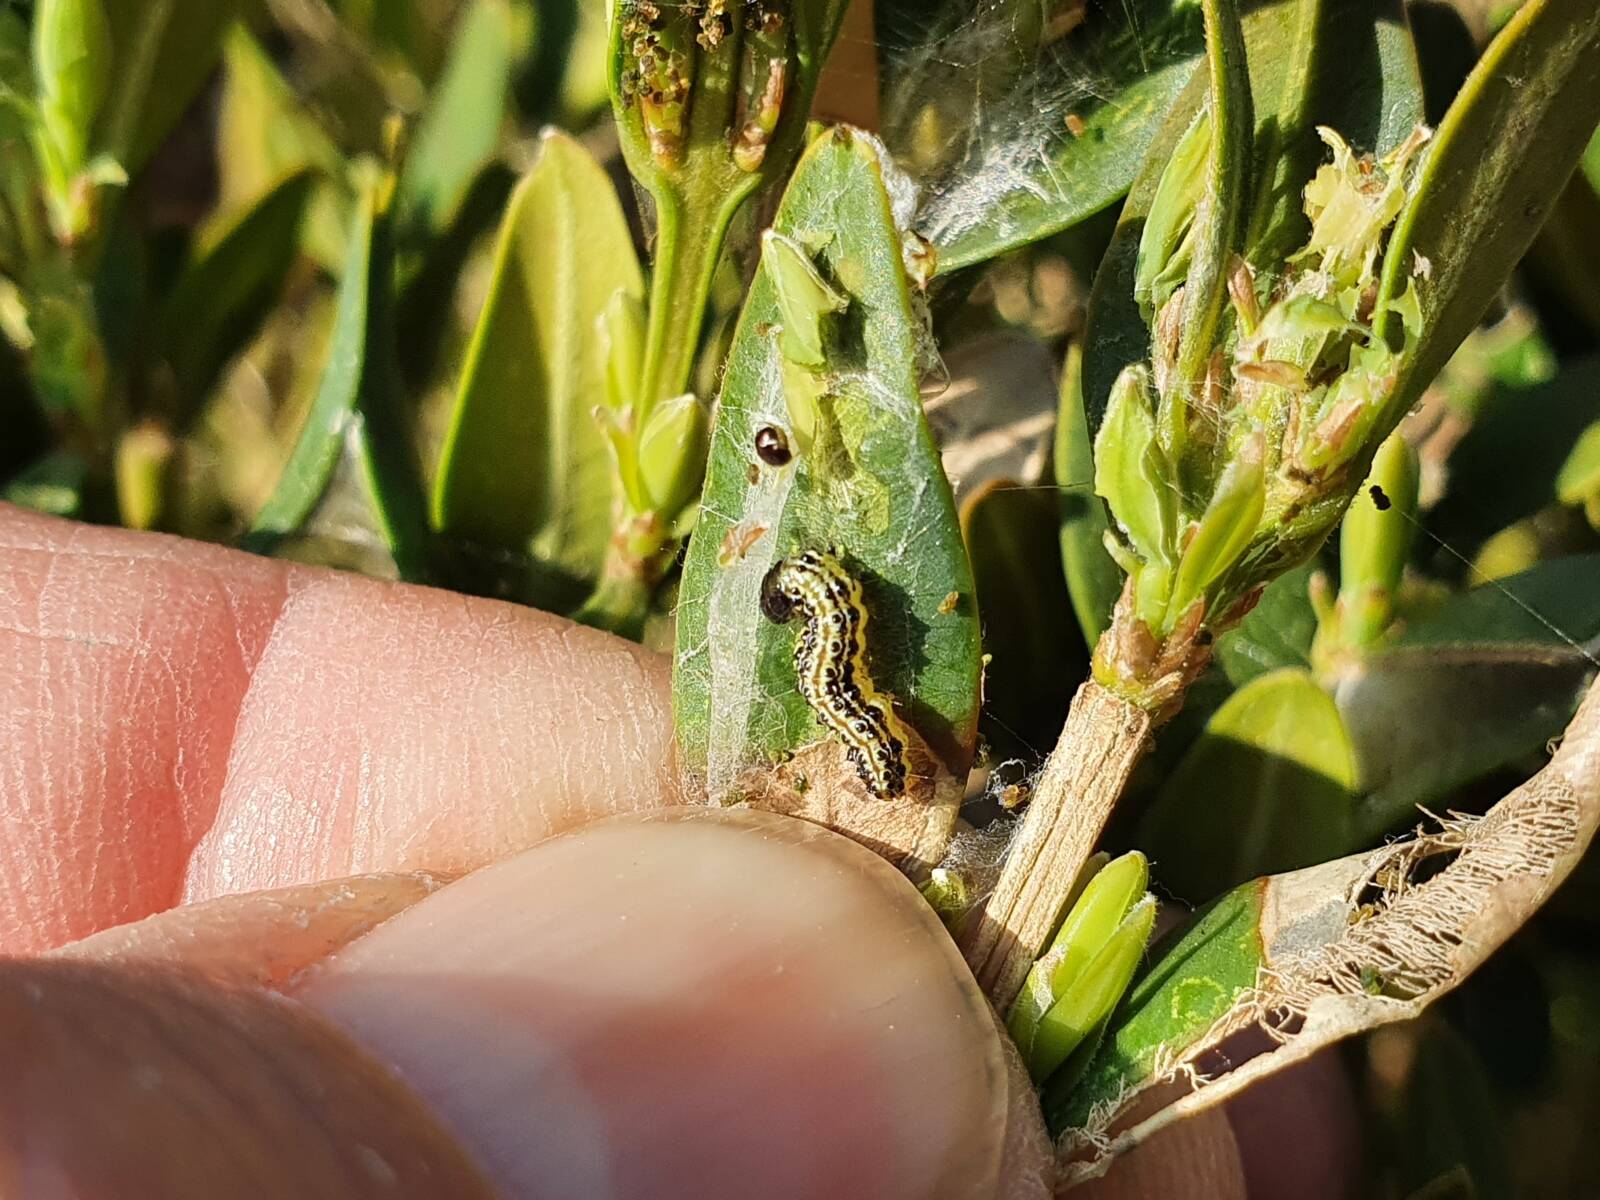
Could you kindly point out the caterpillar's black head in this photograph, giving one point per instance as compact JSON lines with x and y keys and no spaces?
{"x":776,"y":604}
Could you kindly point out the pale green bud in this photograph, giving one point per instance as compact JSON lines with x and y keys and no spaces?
{"x":1094,"y":917}
{"x":1578,"y":481}
{"x":621,"y":328}
{"x":72,"y":64}
{"x":144,"y":456}
{"x":1380,"y":525}
{"x":1086,"y":1002}
{"x":672,"y":454}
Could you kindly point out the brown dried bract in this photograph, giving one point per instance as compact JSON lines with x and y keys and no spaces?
{"x":821,"y":784}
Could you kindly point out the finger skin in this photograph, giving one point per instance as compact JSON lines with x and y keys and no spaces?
{"x":263,"y":938}
{"x":274,"y":938}
{"x":122,"y":662}
{"x":182,"y":721}
{"x":152,"y":1081}
{"x":1196,"y":1159}
{"x":697,"y":1004}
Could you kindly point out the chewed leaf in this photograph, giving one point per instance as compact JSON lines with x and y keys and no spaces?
{"x":1329,"y":952}
{"x":867,"y":483}
{"x":1364,"y":84}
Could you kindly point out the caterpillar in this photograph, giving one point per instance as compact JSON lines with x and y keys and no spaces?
{"x":830,"y":664}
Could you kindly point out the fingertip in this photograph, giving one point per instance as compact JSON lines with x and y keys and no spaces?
{"x":145,"y":1080}
{"x":692,"y":1003}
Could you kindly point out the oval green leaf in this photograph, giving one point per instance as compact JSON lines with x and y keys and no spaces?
{"x":163,"y":51}
{"x":1505,"y":148}
{"x":460,"y":130}
{"x":525,"y":476}
{"x":1268,"y":786}
{"x":870,"y":484}
{"x":224,"y":293}
{"x":1484,"y":681}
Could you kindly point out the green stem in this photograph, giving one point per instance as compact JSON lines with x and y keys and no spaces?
{"x":1217,"y":226}
{"x":688,"y":242}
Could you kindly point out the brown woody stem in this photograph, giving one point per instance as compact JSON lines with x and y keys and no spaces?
{"x":1103,"y":740}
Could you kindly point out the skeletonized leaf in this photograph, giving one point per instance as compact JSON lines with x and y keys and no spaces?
{"x":869,"y":483}
{"x":1331,"y":951}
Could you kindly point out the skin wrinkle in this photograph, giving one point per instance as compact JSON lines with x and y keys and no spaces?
{"x":120,"y":673}
{"x":417,"y":729}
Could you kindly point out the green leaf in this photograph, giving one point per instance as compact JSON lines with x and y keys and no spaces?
{"x":1502,"y":469}
{"x":1268,"y":786}
{"x":1125,"y":452}
{"x":525,"y":469}
{"x":224,"y":292}
{"x":871,"y":484}
{"x":460,"y":130}
{"x":1277,"y":633}
{"x":1218,"y":229}
{"x":72,"y":60}
{"x":1011,"y":170}
{"x":266,"y":134}
{"x":1225,"y":529}
{"x":1363,"y":83}
{"x":1093,"y":578}
{"x":1485,"y":680}
{"x":1499,"y":159}
{"x":357,"y":405}
{"x":1195,"y":975}
{"x":163,"y":51}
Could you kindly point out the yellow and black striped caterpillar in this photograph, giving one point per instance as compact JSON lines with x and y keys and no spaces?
{"x":830,"y":664}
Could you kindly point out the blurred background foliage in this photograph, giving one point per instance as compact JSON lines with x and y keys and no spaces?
{"x":304,"y":277}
